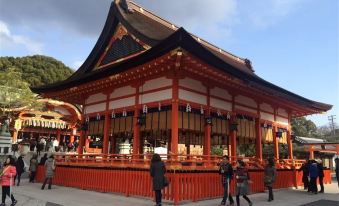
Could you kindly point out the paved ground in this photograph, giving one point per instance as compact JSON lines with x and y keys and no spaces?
{"x":29,"y":194}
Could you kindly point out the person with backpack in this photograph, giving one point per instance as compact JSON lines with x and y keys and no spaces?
{"x":33,"y":165}
{"x":49,"y":172}
{"x":242,"y":180}
{"x":321,"y":175}
{"x":157,"y":171}
{"x":269,"y":177}
{"x":314,"y":173}
{"x":304,"y":169}
{"x":20,"y":168}
{"x":7,"y":180}
{"x":226,"y":172}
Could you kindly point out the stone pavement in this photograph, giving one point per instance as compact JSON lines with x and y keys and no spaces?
{"x":30,"y":194}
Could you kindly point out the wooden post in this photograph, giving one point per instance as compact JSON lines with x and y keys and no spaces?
{"x":208,"y":127}
{"x":311,"y":150}
{"x":136,"y":126}
{"x":275,"y":143}
{"x":15,"y":136}
{"x":58,"y":135}
{"x":81,"y":142}
{"x":106,"y":133}
{"x":175,"y":116}
{"x":258,"y":145}
{"x":289,"y":145}
{"x":233,"y":135}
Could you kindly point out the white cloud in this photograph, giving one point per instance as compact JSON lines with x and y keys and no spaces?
{"x":265,"y":13}
{"x":12,"y":41}
{"x":212,"y":19}
{"x":77,"y":64}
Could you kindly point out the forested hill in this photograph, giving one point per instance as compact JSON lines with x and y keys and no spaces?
{"x":37,"y":70}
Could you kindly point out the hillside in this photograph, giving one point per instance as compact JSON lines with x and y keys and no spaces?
{"x":37,"y":70}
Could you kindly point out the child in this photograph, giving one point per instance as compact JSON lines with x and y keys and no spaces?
{"x":7,"y":180}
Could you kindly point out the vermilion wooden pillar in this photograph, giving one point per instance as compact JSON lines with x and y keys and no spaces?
{"x":233,"y":137}
{"x":275,"y":143}
{"x":106,"y":133}
{"x":58,"y":135}
{"x":175,"y":116}
{"x":289,"y":145}
{"x":258,"y":144}
{"x":81,"y":142}
{"x":136,"y":126}
{"x":311,"y":152}
{"x":208,"y":127}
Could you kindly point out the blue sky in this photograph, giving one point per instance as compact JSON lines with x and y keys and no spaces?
{"x":292,"y":43}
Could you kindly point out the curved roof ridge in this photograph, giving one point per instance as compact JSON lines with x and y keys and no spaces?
{"x":174,"y":27}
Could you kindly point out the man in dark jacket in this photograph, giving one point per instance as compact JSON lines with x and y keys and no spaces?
{"x":20,"y":168}
{"x":157,"y":171}
{"x":304,"y":169}
{"x":226,"y":172}
{"x":313,"y":169}
{"x":321,"y":176}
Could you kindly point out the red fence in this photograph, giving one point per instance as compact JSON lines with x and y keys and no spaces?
{"x":184,"y":185}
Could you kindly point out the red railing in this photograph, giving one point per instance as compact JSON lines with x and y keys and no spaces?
{"x":142,"y":161}
{"x":184,"y":184}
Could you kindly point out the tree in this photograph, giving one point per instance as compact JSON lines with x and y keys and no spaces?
{"x":14,"y":92}
{"x":37,"y":70}
{"x":303,"y":127}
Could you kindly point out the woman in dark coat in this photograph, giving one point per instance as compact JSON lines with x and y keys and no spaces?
{"x":20,"y":168}
{"x":269,"y":178}
{"x":304,"y":169}
{"x":158,"y":171}
{"x":242,"y":179}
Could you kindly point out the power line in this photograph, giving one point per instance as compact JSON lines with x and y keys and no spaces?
{"x":331,"y":119}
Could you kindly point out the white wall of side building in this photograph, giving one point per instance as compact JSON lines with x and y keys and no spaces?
{"x":96,"y":98}
{"x":156,"y":96}
{"x":219,"y":92}
{"x":192,"y":97}
{"x":193,"y":84}
{"x":123,"y":91}
{"x":121,"y":103}
{"x":155,"y":84}
{"x":95,"y":108}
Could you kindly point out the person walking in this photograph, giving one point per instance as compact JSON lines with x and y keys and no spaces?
{"x":313,"y":169}
{"x":242,"y":179}
{"x":7,"y":180}
{"x":269,"y":177}
{"x":321,"y":175}
{"x":337,"y":169}
{"x":304,"y":169}
{"x":33,"y":164}
{"x":43,"y":159}
{"x":157,"y":171}
{"x":49,"y":172}
{"x":226,"y":172}
{"x":20,"y":168}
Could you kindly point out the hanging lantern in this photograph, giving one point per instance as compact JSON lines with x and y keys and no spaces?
{"x":98,"y":116}
{"x":188,"y":108}
{"x":141,"y":120}
{"x":218,"y":113}
{"x":201,"y":110}
{"x":113,"y":114}
{"x":159,"y":106}
{"x":124,"y":113}
{"x":228,"y":115}
{"x":208,"y":120}
{"x":145,"y":109}
{"x":234,"y":126}
{"x":87,"y":119}
{"x":278,"y":133}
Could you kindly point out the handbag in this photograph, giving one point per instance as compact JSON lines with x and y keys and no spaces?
{"x":267,"y":180}
{"x":166,"y":182}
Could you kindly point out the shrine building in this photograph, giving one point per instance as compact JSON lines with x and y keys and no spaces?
{"x":149,"y":84}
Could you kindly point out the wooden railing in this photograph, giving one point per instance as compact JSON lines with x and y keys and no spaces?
{"x":184,"y":184}
{"x":142,"y":161}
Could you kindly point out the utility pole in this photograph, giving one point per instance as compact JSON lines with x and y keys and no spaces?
{"x":331,"y":119}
